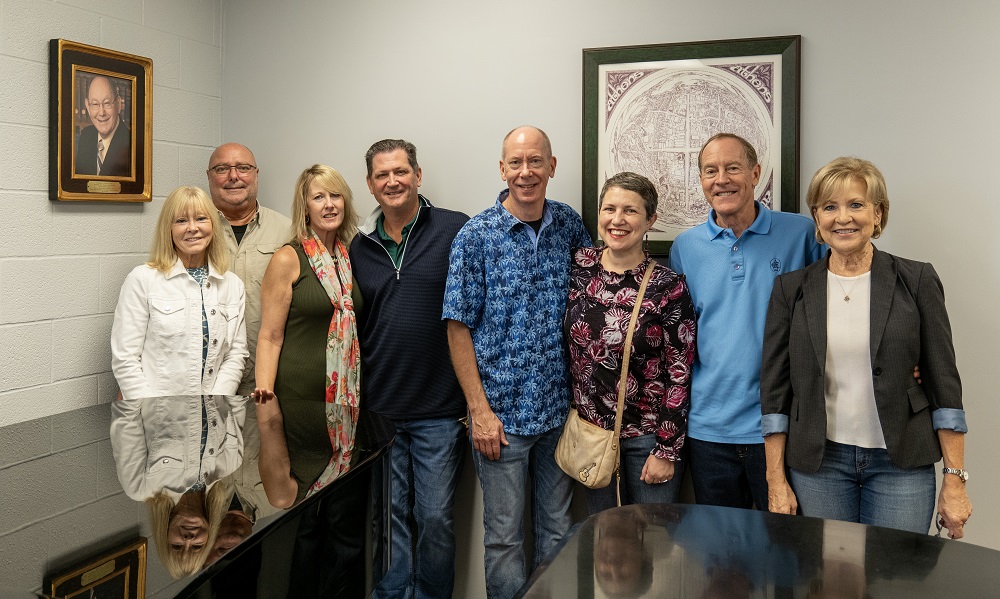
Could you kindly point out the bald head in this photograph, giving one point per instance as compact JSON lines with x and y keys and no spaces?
{"x":233,"y":193}
{"x":522,"y":130}
{"x":231,"y":149}
{"x":103,"y":105}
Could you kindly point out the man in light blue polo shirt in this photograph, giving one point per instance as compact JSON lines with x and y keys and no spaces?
{"x":730,"y":262}
{"x":508,"y":281}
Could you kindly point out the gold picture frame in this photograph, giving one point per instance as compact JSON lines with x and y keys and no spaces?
{"x":100,"y":124}
{"x":120,"y":574}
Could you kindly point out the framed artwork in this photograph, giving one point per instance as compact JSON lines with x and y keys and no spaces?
{"x":649,"y":109}
{"x":120,"y":574}
{"x":100,"y":124}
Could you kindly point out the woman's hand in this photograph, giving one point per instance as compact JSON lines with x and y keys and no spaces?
{"x":657,"y":470}
{"x":780,"y":497}
{"x":954,"y":507}
{"x":262,"y":396}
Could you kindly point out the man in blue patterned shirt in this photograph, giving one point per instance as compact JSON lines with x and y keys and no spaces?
{"x":508,"y":280}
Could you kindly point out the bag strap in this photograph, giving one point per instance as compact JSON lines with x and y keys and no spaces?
{"x":623,"y":380}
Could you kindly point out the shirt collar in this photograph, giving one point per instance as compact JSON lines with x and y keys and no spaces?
{"x":178,"y":268}
{"x":372,"y":223}
{"x":253,"y":219}
{"x":760,"y":225}
{"x":510,"y":221}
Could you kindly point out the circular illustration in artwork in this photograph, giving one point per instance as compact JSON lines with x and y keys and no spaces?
{"x":658,"y":125}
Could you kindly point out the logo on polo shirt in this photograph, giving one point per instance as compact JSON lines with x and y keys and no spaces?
{"x":775,"y":265}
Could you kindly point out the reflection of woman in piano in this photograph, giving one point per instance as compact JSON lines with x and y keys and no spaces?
{"x":168,"y":459}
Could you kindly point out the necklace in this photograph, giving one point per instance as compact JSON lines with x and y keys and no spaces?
{"x":847,"y":294}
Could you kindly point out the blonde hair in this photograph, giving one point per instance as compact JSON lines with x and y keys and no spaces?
{"x":184,"y":563}
{"x":332,"y":181}
{"x":837,"y":175}
{"x":163,"y":254}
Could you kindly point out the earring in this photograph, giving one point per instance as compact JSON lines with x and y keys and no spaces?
{"x":307,"y":219}
{"x":877,"y":232}
{"x":645,"y":242}
{"x":819,"y":236}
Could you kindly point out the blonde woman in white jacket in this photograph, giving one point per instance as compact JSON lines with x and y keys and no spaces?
{"x":179,"y":336}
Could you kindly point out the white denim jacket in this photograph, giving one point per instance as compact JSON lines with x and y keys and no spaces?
{"x":157,"y":442}
{"x":156,"y":337}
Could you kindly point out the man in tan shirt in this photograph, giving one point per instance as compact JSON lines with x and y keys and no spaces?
{"x":252,"y":232}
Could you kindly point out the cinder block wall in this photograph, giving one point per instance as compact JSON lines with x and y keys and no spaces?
{"x":62,"y":264}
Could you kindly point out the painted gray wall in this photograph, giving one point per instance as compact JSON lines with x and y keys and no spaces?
{"x":909,"y":85}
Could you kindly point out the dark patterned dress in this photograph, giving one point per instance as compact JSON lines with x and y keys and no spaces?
{"x":663,"y":349}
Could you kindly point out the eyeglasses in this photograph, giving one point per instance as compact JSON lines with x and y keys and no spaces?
{"x":221,"y":170}
{"x":95,"y":105}
{"x":516,"y":164}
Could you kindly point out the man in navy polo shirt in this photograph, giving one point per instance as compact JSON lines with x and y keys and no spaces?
{"x":730,"y":262}
{"x":506,"y":294}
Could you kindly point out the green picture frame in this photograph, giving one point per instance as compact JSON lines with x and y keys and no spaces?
{"x":749,"y":85}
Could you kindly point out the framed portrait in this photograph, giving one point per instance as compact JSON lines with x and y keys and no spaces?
{"x":649,"y":109}
{"x":100,"y":124}
{"x":120,"y":574}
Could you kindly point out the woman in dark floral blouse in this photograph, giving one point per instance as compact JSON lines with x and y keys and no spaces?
{"x":604,"y":283}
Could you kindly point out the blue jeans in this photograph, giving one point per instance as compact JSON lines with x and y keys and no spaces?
{"x":426,"y":462}
{"x":504,"y":482}
{"x":728,"y":474}
{"x":634,"y":453}
{"x":857,"y":484}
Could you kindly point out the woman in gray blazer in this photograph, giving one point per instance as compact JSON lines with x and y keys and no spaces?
{"x":840,"y":404}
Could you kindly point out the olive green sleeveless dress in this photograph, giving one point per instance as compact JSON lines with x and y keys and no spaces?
{"x":300,"y":383}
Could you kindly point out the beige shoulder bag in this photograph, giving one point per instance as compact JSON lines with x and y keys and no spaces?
{"x":587,"y":452}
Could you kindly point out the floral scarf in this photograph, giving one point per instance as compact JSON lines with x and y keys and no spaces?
{"x":343,"y":356}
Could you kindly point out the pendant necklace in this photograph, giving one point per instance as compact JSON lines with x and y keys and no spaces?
{"x":847,"y":294}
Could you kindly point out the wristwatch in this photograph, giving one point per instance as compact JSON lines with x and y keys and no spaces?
{"x":962,"y":474}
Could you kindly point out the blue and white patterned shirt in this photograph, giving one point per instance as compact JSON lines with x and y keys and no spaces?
{"x":509,"y":287}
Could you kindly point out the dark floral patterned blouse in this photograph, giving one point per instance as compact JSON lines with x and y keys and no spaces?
{"x":663,"y":348}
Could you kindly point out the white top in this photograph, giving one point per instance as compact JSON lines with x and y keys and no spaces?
{"x":156,"y":336}
{"x":851,"y":415}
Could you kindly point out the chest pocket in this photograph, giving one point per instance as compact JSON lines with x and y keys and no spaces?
{"x":166,"y":316}
{"x":222,"y":322}
{"x":231,"y":313}
{"x":166,"y":455}
{"x":258,"y":257}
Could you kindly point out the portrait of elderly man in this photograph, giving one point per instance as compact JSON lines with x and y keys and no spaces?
{"x":105,"y":147}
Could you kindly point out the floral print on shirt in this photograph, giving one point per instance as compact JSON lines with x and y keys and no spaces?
{"x":658,"y":387}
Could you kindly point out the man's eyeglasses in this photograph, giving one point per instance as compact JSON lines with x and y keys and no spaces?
{"x":222,"y":170}
{"x":107,"y":105}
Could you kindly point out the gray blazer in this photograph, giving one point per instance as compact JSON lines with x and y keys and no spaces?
{"x":909,"y":327}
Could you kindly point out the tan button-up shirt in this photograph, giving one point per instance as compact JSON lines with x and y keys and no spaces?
{"x":268,"y":231}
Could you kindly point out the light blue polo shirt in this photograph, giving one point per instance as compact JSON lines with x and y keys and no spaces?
{"x":730,"y":281}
